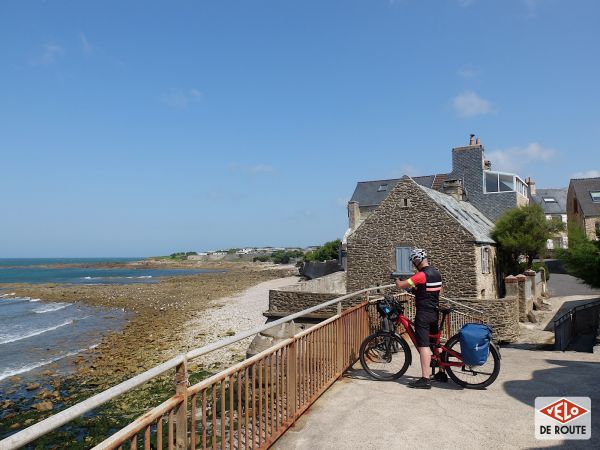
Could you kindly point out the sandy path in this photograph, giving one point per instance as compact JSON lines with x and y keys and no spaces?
{"x":229,"y":316}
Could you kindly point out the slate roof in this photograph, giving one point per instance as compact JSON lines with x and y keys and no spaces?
{"x":367,"y":193}
{"x":558,"y":207}
{"x":583,"y":187}
{"x":469,"y":217}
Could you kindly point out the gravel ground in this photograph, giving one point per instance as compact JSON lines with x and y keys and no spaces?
{"x":231,"y":315}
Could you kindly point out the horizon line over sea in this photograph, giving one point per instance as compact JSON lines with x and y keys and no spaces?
{"x":41,"y":270}
{"x":35,"y":333}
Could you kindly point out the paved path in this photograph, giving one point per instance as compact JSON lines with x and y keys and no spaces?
{"x":361,"y":414}
{"x":562,"y":285}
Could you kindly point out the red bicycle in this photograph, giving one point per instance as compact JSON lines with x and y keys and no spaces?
{"x":385,"y":355}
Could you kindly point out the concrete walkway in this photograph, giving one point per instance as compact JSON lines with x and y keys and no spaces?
{"x":359,"y":413}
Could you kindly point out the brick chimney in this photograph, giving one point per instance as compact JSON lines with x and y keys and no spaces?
{"x":353,"y":215}
{"x":454,"y":188}
{"x":531,"y":184}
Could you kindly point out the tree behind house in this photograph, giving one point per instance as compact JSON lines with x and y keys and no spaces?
{"x":328,"y":251}
{"x":523,"y":231}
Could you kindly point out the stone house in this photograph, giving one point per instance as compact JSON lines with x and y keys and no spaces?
{"x":454,"y":232}
{"x":554,"y":204}
{"x":583,"y":205}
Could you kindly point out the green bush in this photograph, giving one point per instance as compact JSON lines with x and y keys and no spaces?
{"x":540,"y":265}
{"x":284,"y":256}
{"x":582,"y":258}
{"x":328,"y":251}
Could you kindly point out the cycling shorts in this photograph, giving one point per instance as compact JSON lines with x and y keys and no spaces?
{"x":426,"y":322}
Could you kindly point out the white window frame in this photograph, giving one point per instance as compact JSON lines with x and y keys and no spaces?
{"x":486,"y":263}
{"x":519,"y":186}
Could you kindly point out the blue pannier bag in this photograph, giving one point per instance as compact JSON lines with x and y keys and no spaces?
{"x":475,"y":341}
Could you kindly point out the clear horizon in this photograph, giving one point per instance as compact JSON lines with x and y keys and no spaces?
{"x":146,"y":129}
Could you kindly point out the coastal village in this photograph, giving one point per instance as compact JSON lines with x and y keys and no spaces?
{"x":451,"y":214}
{"x":321,"y":225}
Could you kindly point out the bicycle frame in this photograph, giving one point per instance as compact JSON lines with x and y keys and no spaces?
{"x":437,"y":348}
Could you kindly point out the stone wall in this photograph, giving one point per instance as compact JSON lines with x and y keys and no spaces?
{"x":500,"y":314}
{"x":283,"y":303}
{"x":371,"y":248}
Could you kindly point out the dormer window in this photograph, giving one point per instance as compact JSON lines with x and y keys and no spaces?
{"x":504,"y":182}
{"x":549,"y":200}
{"x":382,"y":188}
{"x":595,"y":196}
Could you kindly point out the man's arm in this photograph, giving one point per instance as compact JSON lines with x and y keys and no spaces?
{"x":417,"y":279}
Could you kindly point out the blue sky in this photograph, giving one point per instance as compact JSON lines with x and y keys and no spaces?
{"x":140,"y":128}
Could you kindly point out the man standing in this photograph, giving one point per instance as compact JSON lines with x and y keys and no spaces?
{"x":426,"y":284}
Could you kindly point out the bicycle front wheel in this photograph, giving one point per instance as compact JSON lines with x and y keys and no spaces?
{"x":471,"y":377}
{"x":385,"y":356}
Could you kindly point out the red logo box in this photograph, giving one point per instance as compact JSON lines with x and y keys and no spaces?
{"x":564,"y":410}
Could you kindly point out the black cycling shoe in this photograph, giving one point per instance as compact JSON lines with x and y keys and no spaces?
{"x":421,"y":383}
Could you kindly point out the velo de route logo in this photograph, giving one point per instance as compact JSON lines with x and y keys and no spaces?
{"x":563,"y":418}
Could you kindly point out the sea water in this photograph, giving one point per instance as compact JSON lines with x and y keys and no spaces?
{"x":42,"y":270}
{"x":34,"y":333}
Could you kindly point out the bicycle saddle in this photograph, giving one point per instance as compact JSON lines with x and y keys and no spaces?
{"x":446,"y":310}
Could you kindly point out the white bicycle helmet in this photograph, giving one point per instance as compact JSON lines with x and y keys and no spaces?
{"x":417,"y":255}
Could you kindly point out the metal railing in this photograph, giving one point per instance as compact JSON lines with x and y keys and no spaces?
{"x":565,"y":327}
{"x":248,"y":405}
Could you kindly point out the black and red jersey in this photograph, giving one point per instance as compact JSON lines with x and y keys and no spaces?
{"x":427,"y":284}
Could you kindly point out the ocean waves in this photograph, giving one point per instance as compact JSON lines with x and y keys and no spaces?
{"x":7,"y":338}
{"x":51,"y":308}
{"x":12,"y":371}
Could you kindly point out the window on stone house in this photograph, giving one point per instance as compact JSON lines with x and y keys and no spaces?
{"x":575,"y":205}
{"x":595,"y":196}
{"x":382,"y":188}
{"x":485,"y":260}
{"x":403,"y":264}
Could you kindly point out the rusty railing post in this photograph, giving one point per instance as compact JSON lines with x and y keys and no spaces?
{"x":292,"y":385}
{"x":339,"y":341}
{"x":181,"y":385}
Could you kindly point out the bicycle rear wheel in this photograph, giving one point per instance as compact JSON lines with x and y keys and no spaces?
{"x":385,"y":356}
{"x":471,"y":377}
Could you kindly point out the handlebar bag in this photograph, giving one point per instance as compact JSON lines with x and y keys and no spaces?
{"x":475,"y":341}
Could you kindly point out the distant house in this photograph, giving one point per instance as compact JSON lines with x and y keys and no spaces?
{"x":554,"y":204}
{"x":454,"y":232}
{"x":583,"y":205}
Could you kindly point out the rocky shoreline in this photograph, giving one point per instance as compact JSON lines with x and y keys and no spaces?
{"x":163,"y":322}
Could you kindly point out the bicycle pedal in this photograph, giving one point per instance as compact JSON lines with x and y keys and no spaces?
{"x":441,"y":376}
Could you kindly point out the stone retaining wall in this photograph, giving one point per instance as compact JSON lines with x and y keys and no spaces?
{"x":283,"y":302}
{"x":501,"y":314}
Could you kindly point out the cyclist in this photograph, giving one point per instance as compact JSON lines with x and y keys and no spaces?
{"x":426,"y":285}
